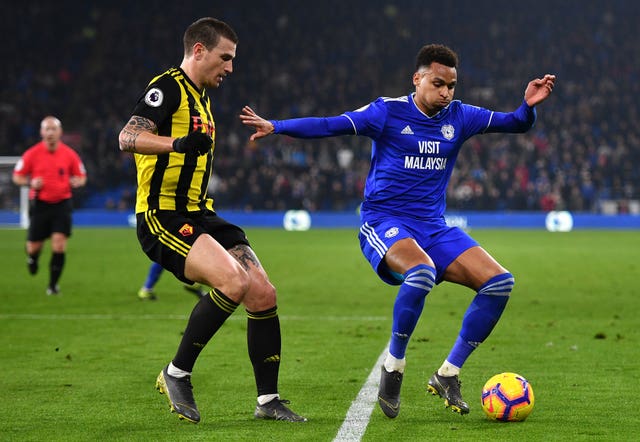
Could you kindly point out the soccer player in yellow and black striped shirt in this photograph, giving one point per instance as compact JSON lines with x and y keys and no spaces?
{"x":171,"y":134}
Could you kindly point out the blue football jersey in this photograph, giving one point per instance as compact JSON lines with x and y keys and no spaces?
{"x":412,"y":154}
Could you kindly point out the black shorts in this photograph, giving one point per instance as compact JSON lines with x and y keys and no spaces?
{"x":47,"y":218}
{"x":166,"y":236}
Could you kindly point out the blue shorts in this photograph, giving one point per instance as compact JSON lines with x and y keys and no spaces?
{"x":442,"y":243}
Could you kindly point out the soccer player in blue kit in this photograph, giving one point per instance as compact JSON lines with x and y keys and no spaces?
{"x":416,"y":140}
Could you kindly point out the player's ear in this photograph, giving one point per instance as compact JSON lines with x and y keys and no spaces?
{"x":198,"y":50}
{"x":416,"y":78}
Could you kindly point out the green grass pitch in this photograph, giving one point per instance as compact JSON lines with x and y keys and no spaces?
{"x":82,"y":366}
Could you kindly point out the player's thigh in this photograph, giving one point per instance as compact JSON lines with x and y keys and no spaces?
{"x":406,"y":254}
{"x":473,"y":267}
{"x":192,"y":246}
{"x":234,"y":240}
{"x":378,"y":235}
{"x":209,"y":263}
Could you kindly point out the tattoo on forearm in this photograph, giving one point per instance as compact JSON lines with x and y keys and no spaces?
{"x":245,"y":256}
{"x":133,"y":129}
{"x":128,"y":140}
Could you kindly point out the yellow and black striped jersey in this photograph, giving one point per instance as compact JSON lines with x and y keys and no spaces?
{"x":175,"y":181}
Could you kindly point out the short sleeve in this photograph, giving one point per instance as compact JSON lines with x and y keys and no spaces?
{"x":159,"y":101}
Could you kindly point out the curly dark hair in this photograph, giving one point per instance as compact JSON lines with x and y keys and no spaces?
{"x":436,"y":53}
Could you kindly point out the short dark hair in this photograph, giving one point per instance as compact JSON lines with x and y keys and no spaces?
{"x":207,"y":31}
{"x":436,"y":53}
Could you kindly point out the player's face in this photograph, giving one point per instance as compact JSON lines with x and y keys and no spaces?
{"x":435,"y":86}
{"x":217,"y":63}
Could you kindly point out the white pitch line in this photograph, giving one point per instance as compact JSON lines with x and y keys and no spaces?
{"x":357,"y":419}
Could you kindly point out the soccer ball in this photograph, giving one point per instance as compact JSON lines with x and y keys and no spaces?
{"x":507,"y":397}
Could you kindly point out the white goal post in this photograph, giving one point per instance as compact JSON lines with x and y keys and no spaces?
{"x":6,"y":184}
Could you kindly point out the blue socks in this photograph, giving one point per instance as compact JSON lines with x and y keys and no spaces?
{"x":478,"y":322}
{"x":418,"y":282}
{"x":154,"y":274}
{"x":481,"y":317}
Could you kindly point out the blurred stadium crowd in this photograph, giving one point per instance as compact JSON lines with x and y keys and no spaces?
{"x":322,"y":58}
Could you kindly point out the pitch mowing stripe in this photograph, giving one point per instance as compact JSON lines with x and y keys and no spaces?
{"x":238,"y":317}
{"x":357,"y":419}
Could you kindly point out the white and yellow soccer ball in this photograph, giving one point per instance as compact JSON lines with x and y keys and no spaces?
{"x":507,"y":397}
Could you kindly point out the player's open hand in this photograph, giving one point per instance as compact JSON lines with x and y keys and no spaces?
{"x":539,"y":89}
{"x":250,"y":118}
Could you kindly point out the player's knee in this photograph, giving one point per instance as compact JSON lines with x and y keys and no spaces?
{"x":499,"y":285}
{"x":58,"y":243}
{"x":234,"y":282}
{"x":268,"y":294}
{"x":422,"y":277}
{"x":261,"y":296}
{"x":240,"y":282}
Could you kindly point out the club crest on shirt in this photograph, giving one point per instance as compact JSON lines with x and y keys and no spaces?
{"x":186,"y":230}
{"x":154,"y":97}
{"x":391,"y":232}
{"x":447,"y":131}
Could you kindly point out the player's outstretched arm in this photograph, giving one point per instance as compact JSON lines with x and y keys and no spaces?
{"x":539,"y":89}
{"x":250,"y":118}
